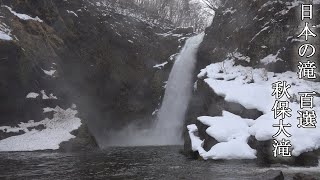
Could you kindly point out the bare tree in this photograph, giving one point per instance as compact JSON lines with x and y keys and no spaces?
{"x":212,"y":4}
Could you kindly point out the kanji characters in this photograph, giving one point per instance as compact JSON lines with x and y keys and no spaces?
{"x":307,"y":119}
{"x":280,"y":88}
{"x":306,"y":11}
{"x":304,"y":49}
{"x":307,"y":70}
{"x":281,"y":108}
{"x":307,"y":32}
{"x":282,"y":148}
{"x":306,"y":99}
{"x":281,"y":127}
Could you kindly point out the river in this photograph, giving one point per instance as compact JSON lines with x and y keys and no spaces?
{"x":163,"y":162}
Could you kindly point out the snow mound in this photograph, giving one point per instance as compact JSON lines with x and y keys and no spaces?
{"x":233,"y":149}
{"x":230,"y":131}
{"x":226,"y":127}
{"x":56,"y":130}
{"x":32,"y":95}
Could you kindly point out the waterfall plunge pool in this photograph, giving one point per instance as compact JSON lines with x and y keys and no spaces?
{"x":156,"y":162}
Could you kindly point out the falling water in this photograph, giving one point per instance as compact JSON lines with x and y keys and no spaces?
{"x":167,"y":130}
{"x":178,"y":91}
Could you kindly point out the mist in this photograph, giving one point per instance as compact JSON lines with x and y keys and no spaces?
{"x":167,"y":128}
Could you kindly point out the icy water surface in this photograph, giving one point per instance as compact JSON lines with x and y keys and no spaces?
{"x":127,"y":163}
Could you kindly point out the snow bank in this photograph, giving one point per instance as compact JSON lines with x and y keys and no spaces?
{"x":232,"y":149}
{"x":23,"y":16}
{"x":271,"y":58}
{"x":196,"y":142}
{"x":32,"y":95}
{"x":227,"y":127}
{"x":56,"y":130}
{"x":169,"y":34}
{"x":239,"y":56}
{"x":5,"y":32}
{"x":49,"y":73}
{"x":250,"y":95}
{"x":5,"y":36}
{"x":45,"y":96}
{"x":160,"y":66}
{"x":71,"y":12}
{"x":252,"y":88}
{"x":230,"y":131}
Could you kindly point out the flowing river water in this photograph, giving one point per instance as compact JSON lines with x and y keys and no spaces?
{"x":157,"y":162}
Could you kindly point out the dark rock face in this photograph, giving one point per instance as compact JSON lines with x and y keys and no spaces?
{"x":266,"y":159}
{"x":4,"y":134}
{"x":255,"y":29}
{"x":301,"y":176}
{"x":205,"y":102}
{"x":271,"y":175}
{"x":103,"y":60}
{"x":84,"y":141}
{"x":307,"y":159}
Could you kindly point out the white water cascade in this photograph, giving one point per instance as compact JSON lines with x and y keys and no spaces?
{"x":167,"y":130}
{"x":178,"y":91}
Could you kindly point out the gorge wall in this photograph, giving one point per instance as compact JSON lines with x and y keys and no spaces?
{"x":247,"y":32}
{"x":90,"y":54}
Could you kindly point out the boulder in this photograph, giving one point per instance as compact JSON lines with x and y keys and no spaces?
{"x":302,"y":176}
{"x":83,"y":141}
{"x":271,"y":175}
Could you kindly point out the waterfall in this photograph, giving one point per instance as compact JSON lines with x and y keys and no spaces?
{"x":177,"y":94}
{"x":167,"y":130}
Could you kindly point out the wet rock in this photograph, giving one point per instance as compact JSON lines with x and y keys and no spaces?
{"x":240,"y":110}
{"x":203,"y":102}
{"x":182,"y":30}
{"x":4,"y":134}
{"x":83,"y":141}
{"x":38,"y":128}
{"x":265,"y":156}
{"x":302,"y":176}
{"x":209,"y":141}
{"x":307,"y":159}
{"x":271,"y":175}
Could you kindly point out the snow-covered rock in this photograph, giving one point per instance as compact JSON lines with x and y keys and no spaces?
{"x":45,"y":96}
{"x":57,"y":130}
{"x":5,"y":32}
{"x":23,"y":16}
{"x":32,"y":95}
{"x":254,"y":91}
